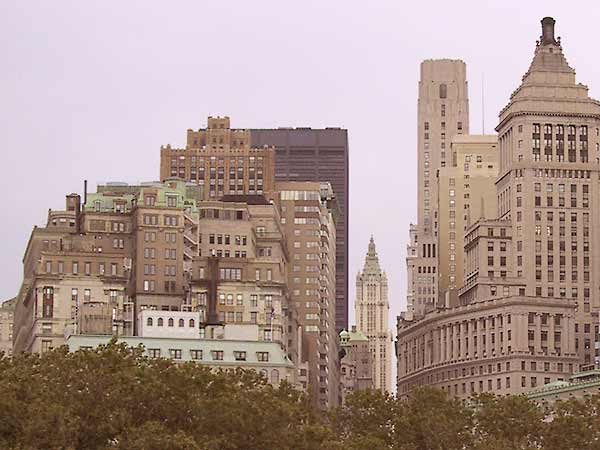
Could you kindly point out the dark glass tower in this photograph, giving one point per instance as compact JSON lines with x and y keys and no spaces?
{"x":306,"y":154}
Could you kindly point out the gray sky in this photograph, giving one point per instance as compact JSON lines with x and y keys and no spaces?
{"x":92,"y":89}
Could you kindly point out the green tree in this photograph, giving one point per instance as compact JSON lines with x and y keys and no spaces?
{"x":114,"y":397}
{"x":509,"y":423}
{"x":366,"y":421}
{"x":574,"y":425}
{"x":430,"y":420}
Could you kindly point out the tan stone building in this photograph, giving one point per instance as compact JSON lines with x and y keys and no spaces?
{"x":356,"y":363}
{"x":443,"y":112}
{"x":7,"y":310}
{"x":219,"y":160}
{"x":528,"y":310}
{"x":133,"y":248}
{"x":372,"y":313}
{"x":308,"y":214}
{"x":466,"y":193}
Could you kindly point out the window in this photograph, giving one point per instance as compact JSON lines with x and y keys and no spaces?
{"x":275,"y":376}
{"x":175,"y":353}
{"x":196,"y":354}
{"x":443,"y":92}
{"x":217,"y":355}
{"x":262,"y":356}
{"x":47,"y":302}
{"x":154,"y":352}
{"x":160,"y":322}
{"x":239,"y":355}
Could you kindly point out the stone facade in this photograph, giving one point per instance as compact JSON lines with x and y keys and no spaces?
{"x":443,"y":112}
{"x":356,"y":362}
{"x":466,"y":193}
{"x":220,"y":160}
{"x":372,"y":312}
{"x":7,"y":309}
{"x":535,"y":262}
{"x":308,"y":214}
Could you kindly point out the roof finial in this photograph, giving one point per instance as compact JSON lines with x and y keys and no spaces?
{"x":548,"y":31}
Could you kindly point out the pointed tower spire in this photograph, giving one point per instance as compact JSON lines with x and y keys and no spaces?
{"x":372,"y":260}
{"x":372,"y":251}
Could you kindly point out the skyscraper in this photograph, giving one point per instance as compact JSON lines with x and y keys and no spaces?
{"x":528,"y":311}
{"x":219,"y":160}
{"x":443,"y":112}
{"x":305,"y":154}
{"x":466,"y":193}
{"x":308,"y":212}
{"x":372,"y":311}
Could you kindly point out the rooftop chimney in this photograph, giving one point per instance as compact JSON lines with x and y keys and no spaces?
{"x":548,"y":31}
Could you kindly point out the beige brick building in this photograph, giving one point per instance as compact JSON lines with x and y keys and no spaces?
{"x":528,"y":309}
{"x":131,"y":248}
{"x":308,"y":214}
{"x":466,"y":193}
{"x":372,"y":308}
{"x":443,"y":112}
{"x":219,"y":160}
{"x":356,"y":372}
{"x":7,"y":309}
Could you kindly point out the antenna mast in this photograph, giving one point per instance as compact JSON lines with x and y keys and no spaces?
{"x":482,"y":104}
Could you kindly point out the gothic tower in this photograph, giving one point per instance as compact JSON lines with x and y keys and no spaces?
{"x":371,"y":310}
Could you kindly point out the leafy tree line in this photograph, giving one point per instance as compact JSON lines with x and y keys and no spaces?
{"x":116,"y":398}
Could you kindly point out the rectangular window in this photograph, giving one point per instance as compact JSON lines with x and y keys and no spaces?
{"x":196,"y":354}
{"x":175,"y":353}
{"x":262,"y":356}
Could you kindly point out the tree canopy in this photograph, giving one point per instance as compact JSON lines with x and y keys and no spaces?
{"x":114,"y":397}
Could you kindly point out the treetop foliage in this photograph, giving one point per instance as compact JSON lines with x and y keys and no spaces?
{"x":114,"y":397}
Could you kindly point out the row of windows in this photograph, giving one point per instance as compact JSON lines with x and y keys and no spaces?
{"x":150,"y":253}
{"x":198,"y":354}
{"x":170,"y":322}
{"x":226,"y":239}
{"x":152,"y":219}
{"x":50,"y":266}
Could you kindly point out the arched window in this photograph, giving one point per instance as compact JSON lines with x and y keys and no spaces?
{"x":264,"y":373}
{"x":171,"y":322}
{"x":192,"y":323}
{"x":160,"y":322}
{"x":443,"y":90}
{"x":181,"y":323}
{"x":149,"y":321}
{"x":274,"y":376}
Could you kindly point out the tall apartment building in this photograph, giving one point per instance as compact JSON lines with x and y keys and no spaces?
{"x":528,"y":312}
{"x":220,"y":161}
{"x":372,"y":312}
{"x":7,"y":310}
{"x":321,"y":155}
{"x":96,"y":267}
{"x":443,"y":112}
{"x":308,"y":214}
{"x":356,"y":373}
{"x":466,"y":193}
{"x":74,"y":260}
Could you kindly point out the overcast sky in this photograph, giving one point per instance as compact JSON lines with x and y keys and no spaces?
{"x":91,"y":89}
